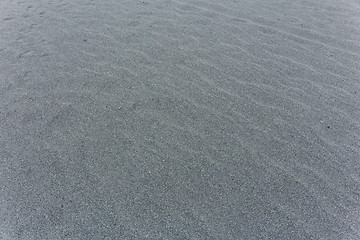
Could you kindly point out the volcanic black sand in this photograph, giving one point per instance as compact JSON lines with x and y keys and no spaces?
{"x":179,"y":119}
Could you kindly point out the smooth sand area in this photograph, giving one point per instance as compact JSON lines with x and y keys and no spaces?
{"x":180,"y":119}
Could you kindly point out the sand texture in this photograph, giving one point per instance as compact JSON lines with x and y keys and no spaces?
{"x":180,"y":119}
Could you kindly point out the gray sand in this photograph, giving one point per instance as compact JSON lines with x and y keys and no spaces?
{"x":169,"y":119}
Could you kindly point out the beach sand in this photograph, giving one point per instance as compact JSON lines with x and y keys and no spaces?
{"x":169,"y":119}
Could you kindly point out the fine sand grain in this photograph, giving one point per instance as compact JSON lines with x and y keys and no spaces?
{"x":179,"y":119}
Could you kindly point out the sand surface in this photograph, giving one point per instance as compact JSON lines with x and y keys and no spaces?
{"x":179,"y":119}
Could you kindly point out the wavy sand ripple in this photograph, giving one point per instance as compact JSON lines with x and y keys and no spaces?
{"x":172,"y":119}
